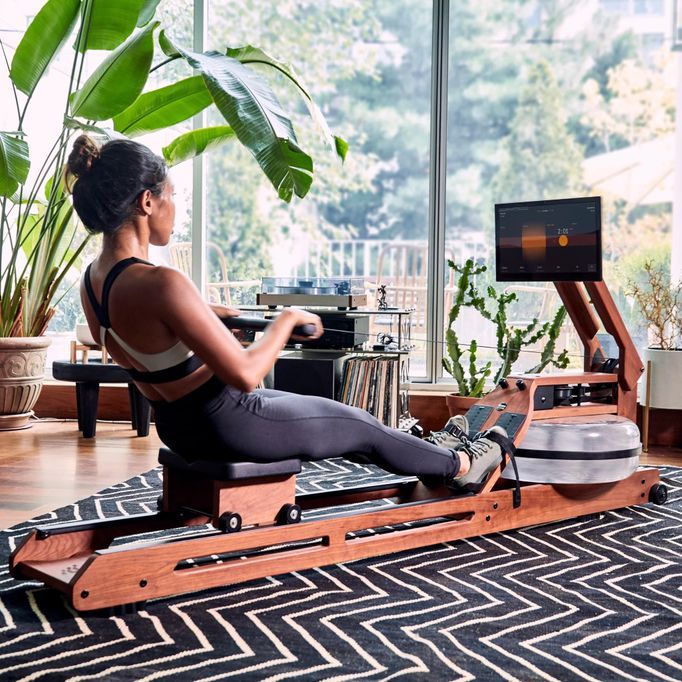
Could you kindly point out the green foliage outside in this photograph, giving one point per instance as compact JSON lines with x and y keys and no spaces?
{"x":532,"y":167}
{"x":521,"y":108}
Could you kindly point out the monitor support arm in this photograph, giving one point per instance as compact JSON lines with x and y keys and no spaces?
{"x":581,"y":300}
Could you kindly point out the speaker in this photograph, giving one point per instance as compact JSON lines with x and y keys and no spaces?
{"x":309,"y":373}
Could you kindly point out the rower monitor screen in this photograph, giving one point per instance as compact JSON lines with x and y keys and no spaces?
{"x":557,"y":240}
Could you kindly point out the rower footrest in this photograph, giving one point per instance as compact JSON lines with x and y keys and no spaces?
{"x":256,"y":491}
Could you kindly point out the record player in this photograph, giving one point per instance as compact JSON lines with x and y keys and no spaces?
{"x":336,"y":292}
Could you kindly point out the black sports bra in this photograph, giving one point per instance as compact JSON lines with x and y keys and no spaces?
{"x":174,"y":363}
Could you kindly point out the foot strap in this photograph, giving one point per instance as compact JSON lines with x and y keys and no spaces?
{"x":508,"y":448}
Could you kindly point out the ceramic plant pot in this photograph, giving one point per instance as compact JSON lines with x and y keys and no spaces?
{"x":22,"y":370}
{"x":84,"y":337}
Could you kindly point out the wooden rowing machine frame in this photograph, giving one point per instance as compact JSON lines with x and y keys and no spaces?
{"x":77,"y":558}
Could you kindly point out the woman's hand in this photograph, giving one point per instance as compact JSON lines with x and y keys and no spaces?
{"x":300,"y":317}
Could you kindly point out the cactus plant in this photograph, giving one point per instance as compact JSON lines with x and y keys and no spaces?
{"x":462,"y":362}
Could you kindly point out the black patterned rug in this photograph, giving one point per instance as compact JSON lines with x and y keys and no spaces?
{"x":596,"y":599}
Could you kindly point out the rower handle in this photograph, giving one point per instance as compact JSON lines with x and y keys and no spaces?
{"x":258,"y":324}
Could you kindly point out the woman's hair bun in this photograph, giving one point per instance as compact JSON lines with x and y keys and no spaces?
{"x":85,"y":151}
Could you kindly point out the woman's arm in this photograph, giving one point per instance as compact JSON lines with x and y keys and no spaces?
{"x":192,"y":320}
{"x":224,"y":310}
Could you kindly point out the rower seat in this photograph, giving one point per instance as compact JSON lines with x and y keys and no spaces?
{"x":225,"y":470}
{"x":230,"y":493}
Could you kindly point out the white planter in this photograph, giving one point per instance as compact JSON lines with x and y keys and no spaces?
{"x":84,"y":336}
{"x":666,"y":378}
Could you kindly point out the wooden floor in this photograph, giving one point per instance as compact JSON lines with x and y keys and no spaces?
{"x":50,"y":465}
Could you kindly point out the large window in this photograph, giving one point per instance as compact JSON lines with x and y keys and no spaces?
{"x":42,"y":132}
{"x":545,"y":99}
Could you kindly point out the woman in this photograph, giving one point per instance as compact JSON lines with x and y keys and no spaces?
{"x":200,"y":381}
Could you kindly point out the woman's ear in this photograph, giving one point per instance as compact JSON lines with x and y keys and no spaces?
{"x":144,"y":202}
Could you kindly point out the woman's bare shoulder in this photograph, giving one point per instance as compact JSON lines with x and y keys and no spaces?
{"x":164,"y":278}
{"x":166,"y":285}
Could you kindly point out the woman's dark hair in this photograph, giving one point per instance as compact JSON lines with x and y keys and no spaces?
{"x":110,"y":178}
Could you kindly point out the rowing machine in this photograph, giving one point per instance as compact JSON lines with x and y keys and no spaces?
{"x":249,"y":520}
{"x":257,"y":528}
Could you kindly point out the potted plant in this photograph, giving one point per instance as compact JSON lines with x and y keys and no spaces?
{"x":661,"y":306}
{"x":39,"y":238}
{"x":463,"y":364}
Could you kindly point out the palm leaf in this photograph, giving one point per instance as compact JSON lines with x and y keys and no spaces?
{"x":196,"y":142}
{"x":164,"y":107}
{"x":29,"y":233}
{"x":253,"y":111}
{"x":44,"y":38}
{"x":118,"y":80}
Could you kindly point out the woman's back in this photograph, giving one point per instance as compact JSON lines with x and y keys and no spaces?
{"x":122,"y":307}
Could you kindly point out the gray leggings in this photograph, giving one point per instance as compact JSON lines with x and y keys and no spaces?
{"x":267,"y":425}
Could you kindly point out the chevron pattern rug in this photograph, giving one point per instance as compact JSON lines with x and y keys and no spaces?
{"x":597,"y":599}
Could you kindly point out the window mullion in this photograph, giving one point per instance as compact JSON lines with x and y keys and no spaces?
{"x":198,"y":165}
{"x":437,"y":187}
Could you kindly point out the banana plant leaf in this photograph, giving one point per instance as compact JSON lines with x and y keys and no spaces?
{"x":14,"y":163}
{"x":110,"y":23}
{"x":196,"y":142}
{"x":147,"y":12}
{"x":99,"y":131}
{"x":164,"y":107}
{"x":254,"y":55}
{"x":118,"y":80}
{"x":29,"y":232}
{"x":44,"y":38}
{"x":253,"y":111}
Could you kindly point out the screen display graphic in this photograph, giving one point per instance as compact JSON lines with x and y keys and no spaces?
{"x":555,"y":240}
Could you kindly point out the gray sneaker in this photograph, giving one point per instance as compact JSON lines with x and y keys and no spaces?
{"x":453,"y":434}
{"x":485,"y":455}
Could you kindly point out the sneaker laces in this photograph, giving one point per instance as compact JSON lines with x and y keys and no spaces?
{"x":440,"y":438}
{"x":437,"y":437}
{"x":474,"y":447}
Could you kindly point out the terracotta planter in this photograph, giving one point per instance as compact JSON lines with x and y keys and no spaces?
{"x":459,"y":404}
{"x":22,"y":370}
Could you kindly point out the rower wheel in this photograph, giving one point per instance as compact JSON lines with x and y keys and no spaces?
{"x":230,"y":522}
{"x":288,"y":514}
{"x":658,"y":494}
